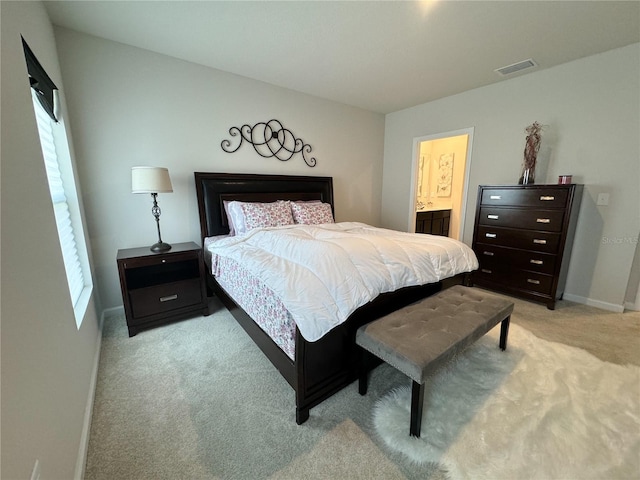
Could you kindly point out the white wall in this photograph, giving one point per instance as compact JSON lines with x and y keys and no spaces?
{"x":133,"y":107}
{"x":47,"y":363}
{"x":591,"y":108}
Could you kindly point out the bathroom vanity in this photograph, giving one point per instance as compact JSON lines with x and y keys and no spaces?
{"x":434,"y":222}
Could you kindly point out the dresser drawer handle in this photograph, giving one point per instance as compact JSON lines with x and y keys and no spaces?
{"x":539,"y":242}
{"x":496,"y":197}
{"x":536,"y":262}
{"x":168,"y":298}
{"x":531,"y":280}
{"x":547,"y":198}
{"x":486,"y":270}
{"x":489,"y":254}
{"x":493,"y":217}
{"x":543,"y":220}
{"x":491,"y":235}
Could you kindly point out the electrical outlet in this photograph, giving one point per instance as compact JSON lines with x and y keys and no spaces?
{"x":603,"y":199}
{"x":35,"y":473}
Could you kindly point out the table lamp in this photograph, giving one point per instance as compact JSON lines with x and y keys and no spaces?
{"x":152,"y":180}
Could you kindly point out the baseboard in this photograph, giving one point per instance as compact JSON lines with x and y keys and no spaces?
{"x":612,"y":307}
{"x":112,"y":312}
{"x":632,"y":306}
{"x":88,"y":412}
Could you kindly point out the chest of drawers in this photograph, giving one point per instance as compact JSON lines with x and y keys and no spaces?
{"x":523,"y":237}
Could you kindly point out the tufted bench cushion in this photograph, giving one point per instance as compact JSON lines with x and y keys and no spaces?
{"x":420,"y":337}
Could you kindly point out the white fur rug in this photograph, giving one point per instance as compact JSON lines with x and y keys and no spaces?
{"x":538,"y":410}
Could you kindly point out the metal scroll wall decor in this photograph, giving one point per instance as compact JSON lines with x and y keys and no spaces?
{"x":270,"y":139}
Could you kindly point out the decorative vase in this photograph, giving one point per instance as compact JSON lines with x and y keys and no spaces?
{"x":531,"y":148}
{"x":528,"y":176}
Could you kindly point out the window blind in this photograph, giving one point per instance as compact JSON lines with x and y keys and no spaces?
{"x":66,"y":233}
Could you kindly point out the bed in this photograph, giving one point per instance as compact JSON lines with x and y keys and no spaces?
{"x":314,"y":369}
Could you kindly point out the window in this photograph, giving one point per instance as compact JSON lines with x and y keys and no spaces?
{"x":64,"y":197}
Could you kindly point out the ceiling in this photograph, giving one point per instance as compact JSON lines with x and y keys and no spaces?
{"x":375,"y":55}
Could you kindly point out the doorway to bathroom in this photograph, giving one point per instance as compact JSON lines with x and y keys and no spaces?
{"x":440,"y":180}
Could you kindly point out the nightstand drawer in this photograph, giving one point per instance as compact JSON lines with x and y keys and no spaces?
{"x":165,"y":297}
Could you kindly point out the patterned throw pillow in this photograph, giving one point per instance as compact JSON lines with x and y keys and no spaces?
{"x":309,"y":213}
{"x":273,"y":214}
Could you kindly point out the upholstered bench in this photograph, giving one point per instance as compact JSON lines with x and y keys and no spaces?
{"x":420,"y":337}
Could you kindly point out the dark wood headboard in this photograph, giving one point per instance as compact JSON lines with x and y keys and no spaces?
{"x":213,"y":189}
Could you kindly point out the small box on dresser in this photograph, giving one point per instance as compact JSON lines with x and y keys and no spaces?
{"x":158,"y":288}
{"x":523,"y":237}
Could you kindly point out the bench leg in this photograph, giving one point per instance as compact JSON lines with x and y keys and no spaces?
{"x":362,"y":373}
{"x":417,"y":398}
{"x":504,"y":332}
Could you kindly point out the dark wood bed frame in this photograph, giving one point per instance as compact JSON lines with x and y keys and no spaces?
{"x":323,"y":367}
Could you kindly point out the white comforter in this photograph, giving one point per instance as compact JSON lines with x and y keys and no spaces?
{"x":323,"y":273}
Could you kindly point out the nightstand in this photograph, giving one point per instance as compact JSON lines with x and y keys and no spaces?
{"x":158,"y":288}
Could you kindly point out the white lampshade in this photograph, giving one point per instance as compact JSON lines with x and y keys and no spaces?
{"x":150,"y":180}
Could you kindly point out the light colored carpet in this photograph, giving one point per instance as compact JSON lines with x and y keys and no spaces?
{"x":198,"y":400}
{"x":345,"y":444}
{"x":538,"y":410}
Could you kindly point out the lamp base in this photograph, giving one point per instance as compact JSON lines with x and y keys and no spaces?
{"x":160,"y":247}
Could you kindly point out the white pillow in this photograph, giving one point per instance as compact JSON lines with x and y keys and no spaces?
{"x":232,"y":230}
{"x":235,"y":217}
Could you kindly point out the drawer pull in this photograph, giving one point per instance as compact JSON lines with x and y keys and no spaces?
{"x":536,"y":262}
{"x":547,"y":198}
{"x":531,"y":280}
{"x":491,"y":235}
{"x":489,"y":254}
{"x":168,"y":298}
{"x":493,"y":217}
{"x":486,"y":270}
{"x":496,"y":197}
{"x":539,"y":241}
{"x":543,"y":220}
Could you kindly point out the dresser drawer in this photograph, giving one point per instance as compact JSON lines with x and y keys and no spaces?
{"x":493,"y":257}
{"x":531,"y":219}
{"x":546,"y":197}
{"x":165,"y":297}
{"x":546,"y":242}
{"x":516,"y":279}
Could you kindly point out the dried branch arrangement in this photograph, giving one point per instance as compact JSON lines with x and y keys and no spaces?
{"x":531,"y":148}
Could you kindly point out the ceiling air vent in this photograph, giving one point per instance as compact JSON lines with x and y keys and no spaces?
{"x":516,"y":67}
